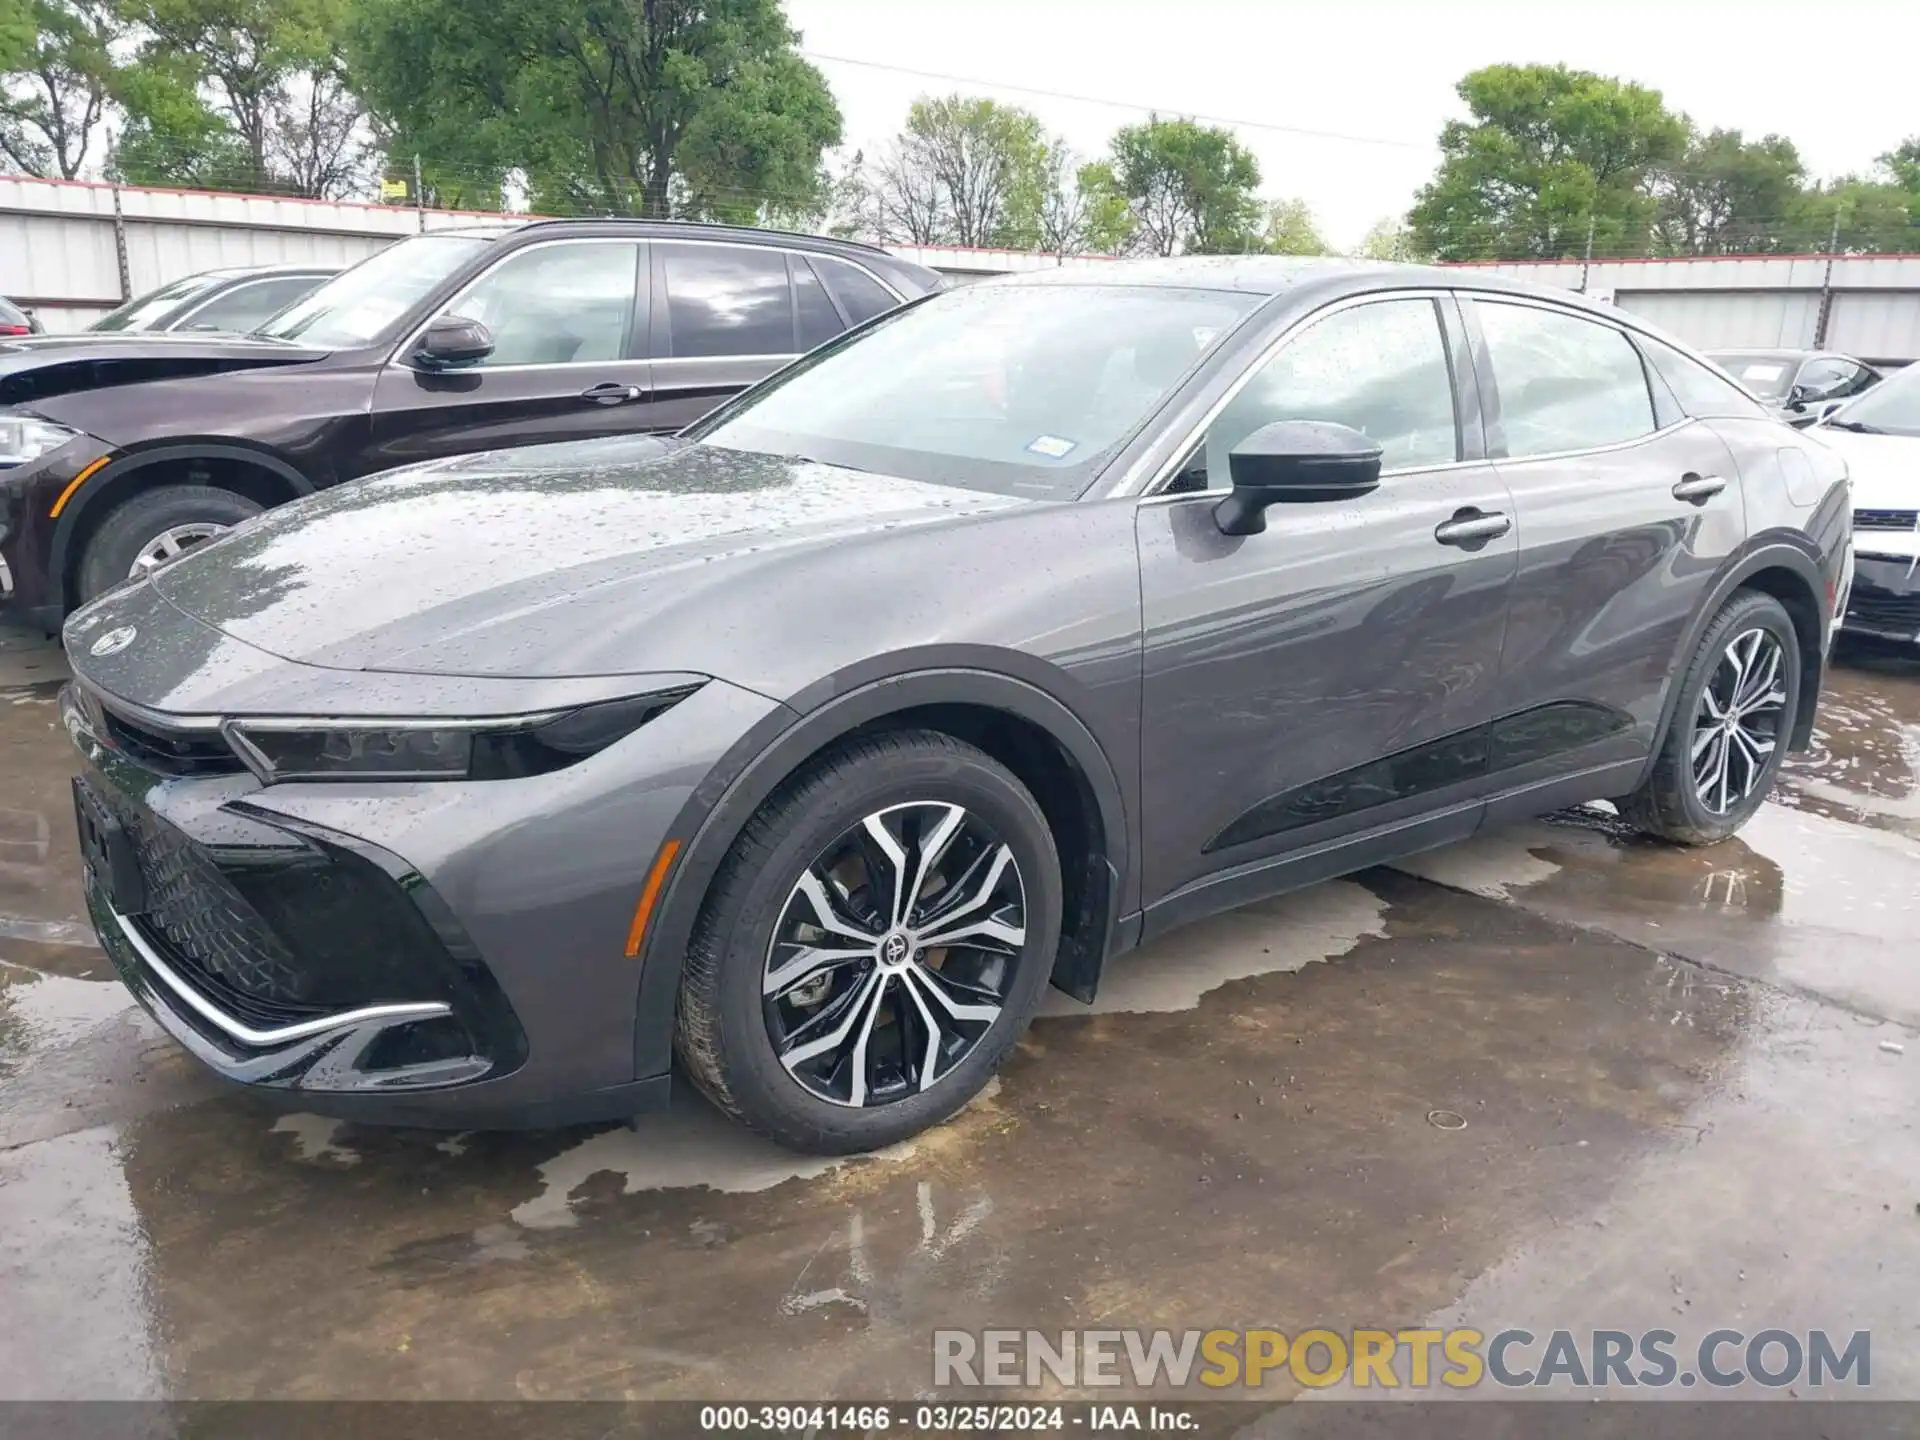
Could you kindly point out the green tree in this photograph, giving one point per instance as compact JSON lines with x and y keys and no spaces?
{"x":696,"y":108}
{"x":967,"y":172}
{"x":53,"y":91}
{"x":1874,"y":218}
{"x":1903,"y":163}
{"x":242,"y":94}
{"x":1390,"y":239}
{"x":1727,"y":195}
{"x":1290,"y":230}
{"x":1548,"y":152}
{"x":1190,"y":188}
{"x":1082,"y":210}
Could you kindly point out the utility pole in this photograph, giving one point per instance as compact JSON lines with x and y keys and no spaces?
{"x":1586,"y":265}
{"x":1826,"y":284}
{"x":419,"y":195}
{"x":119,"y":222}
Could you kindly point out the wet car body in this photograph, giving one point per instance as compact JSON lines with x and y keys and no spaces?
{"x":1205,"y":717}
{"x":296,"y":407}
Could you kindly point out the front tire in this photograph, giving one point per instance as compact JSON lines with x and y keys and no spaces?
{"x":153,"y":526}
{"x":873,"y":945}
{"x":1730,"y":726}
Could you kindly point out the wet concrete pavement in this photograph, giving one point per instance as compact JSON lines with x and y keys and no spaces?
{"x":1688,"y":1081}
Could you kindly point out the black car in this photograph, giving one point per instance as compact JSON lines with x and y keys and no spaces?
{"x":120,"y":449}
{"x":1800,"y":385}
{"x":1032,"y":620}
{"x":237,"y":300}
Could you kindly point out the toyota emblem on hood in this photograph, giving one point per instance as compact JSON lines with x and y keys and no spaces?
{"x":114,"y":641}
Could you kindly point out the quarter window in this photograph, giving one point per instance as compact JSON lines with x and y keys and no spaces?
{"x":728,"y":300}
{"x":566,"y":304}
{"x":1380,"y":368}
{"x":859,"y":294}
{"x":1565,"y":383}
{"x":1701,"y":393}
{"x":819,"y":321}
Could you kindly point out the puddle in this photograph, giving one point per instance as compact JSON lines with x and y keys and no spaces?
{"x":690,"y":1146}
{"x":316,"y":1139}
{"x":1271,"y":937}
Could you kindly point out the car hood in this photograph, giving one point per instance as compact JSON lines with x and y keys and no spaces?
{"x":38,"y":367}
{"x":1885,"y":473}
{"x":594,"y":558}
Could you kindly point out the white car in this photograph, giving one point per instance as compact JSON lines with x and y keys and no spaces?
{"x":1879,"y":436}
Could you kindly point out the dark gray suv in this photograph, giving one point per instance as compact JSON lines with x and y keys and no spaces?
{"x":1029,"y":621}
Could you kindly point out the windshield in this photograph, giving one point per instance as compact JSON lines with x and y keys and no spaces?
{"x":146,"y":310}
{"x":1890,"y":408}
{"x":1017,"y":389}
{"x":358,"y":305}
{"x":1767,"y":376}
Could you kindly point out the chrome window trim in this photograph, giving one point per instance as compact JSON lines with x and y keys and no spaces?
{"x":1153,"y":487}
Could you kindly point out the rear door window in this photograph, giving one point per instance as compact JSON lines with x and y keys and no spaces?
{"x":727,"y":300}
{"x":1565,"y":383}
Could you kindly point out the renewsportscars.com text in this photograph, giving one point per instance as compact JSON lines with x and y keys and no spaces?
{"x":1393,"y":1359}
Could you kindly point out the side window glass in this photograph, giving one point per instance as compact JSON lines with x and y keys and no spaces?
{"x":1380,"y":368}
{"x":246,"y":306}
{"x":859,"y":294}
{"x":819,"y":321}
{"x":1824,"y":379}
{"x":564,"y":304}
{"x":1701,"y":393}
{"x":1565,"y":383}
{"x":728,"y":300}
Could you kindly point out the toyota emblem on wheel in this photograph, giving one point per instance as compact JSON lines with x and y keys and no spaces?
{"x":114,"y":641}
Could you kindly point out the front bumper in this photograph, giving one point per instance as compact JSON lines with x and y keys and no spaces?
{"x":1885,"y":600}
{"x":446,"y":954}
{"x":29,"y":531}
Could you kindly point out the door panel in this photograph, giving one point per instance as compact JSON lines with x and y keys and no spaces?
{"x":1331,"y":675}
{"x":724,"y":318}
{"x":1335,"y":674}
{"x":568,"y":320}
{"x":1613,"y":562}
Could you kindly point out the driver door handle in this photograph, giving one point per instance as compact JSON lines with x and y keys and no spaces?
{"x":1470,"y":528}
{"x":1698,"y":489}
{"x":611,"y":394}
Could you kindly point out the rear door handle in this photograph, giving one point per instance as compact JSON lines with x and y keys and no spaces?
{"x":1471,"y":528}
{"x":1698,"y":489}
{"x":611,"y":394}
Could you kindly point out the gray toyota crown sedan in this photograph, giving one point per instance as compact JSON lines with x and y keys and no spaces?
{"x":1001,"y":634}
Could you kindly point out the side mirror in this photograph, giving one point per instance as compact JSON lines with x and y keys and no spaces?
{"x":452,"y":340}
{"x":1295,"y":462}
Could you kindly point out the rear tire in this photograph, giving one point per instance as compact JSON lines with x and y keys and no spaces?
{"x":1730,"y":726}
{"x":189,"y":513}
{"x":921,"y":1043}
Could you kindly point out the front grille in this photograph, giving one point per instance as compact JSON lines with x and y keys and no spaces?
{"x":204,"y":923}
{"x":1885,"y":519}
{"x":1872,"y":608}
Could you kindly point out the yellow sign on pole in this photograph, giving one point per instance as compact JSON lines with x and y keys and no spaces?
{"x":393,"y":189}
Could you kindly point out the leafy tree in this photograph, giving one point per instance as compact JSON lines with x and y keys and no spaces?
{"x":1082,"y":210}
{"x":1548,"y":152}
{"x":655,"y":107}
{"x":53,"y":91}
{"x":1903,"y":163}
{"x":1874,"y":218}
{"x":242,"y":94}
{"x":1189,"y":187}
{"x":969,"y":172}
{"x":1290,"y":230}
{"x":1390,"y":239}
{"x":1727,"y":195}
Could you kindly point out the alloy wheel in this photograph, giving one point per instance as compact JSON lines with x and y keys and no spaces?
{"x":1737,"y":724}
{"x":894,"y":954}
{"x":171,"y":542}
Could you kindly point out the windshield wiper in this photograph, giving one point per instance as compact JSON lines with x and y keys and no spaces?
{"x":1859,"y":427}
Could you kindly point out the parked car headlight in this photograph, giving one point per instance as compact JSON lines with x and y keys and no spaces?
{"x":23,"y":438}
{"x":278,"y":751}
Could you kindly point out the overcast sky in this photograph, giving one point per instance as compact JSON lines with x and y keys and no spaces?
{"x":1839,"y":82}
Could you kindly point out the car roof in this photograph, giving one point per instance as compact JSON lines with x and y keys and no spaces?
{"x":658,"y":229}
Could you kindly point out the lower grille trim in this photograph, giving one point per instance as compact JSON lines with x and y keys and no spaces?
{"x":283,"y":1035}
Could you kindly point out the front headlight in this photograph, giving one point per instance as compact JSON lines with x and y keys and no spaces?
{"x":381,"y":749}
{"x":23,"y":438}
